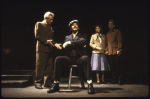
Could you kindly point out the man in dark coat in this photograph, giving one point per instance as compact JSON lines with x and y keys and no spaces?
{"x":44,"y":63}
{"x":75,"y":54}
{"x":114,"y":43}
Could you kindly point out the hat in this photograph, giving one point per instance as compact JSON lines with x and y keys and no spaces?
{"x":73,"y":21}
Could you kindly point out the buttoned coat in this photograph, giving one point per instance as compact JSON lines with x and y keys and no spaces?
{"x":114,"y":42}
{"x":95,"y":43}
{"x":43,"y":32}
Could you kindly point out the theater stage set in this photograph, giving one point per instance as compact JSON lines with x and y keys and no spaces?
{"x":18,"y":19}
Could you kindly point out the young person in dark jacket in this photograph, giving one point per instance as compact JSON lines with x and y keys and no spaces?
{"x":74,"y":46}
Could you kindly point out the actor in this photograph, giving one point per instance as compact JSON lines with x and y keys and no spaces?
{"x":44,"y":35}
{"x":99,"y":62}
{"x":114,"y":51}
{"x":75,"y":54}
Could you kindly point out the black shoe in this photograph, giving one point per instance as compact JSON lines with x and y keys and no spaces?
{"x":98,"y":82}
{"x":90,"y":89}
{"x":54,"y":88}
{"x":38,"y":87}
{"x":103,"y":83}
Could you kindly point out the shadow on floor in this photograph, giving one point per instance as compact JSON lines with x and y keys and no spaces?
{"x":97,"y":90}
{"x":106,"y":90}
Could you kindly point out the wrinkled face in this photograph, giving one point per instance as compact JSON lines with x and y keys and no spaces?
{"x":49,"y":20}
{"x":74,"y":27}
{"x":111,"y":25}
{"x":97,"y":29}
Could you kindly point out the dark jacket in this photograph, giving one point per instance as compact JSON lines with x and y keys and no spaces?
{"x":77,"y":45}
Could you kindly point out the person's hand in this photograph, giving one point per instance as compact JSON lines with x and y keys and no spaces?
{"x":84,"y":46}
{"x":50,"y":42}
{"x":118,"y":53}
{"x":106,"y":53}
{"x":58,"y":46}
{"x":100,"y":49}
{"x":66,"y":43}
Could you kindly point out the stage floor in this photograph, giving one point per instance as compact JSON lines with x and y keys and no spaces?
{"x":101,"y":90}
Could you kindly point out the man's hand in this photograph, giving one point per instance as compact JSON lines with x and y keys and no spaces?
{"x":118,"y":53}
{"x":58,"y":46}
{"x":106,"y":53}
{"x":50,"y":42}
{"x":66,"y":43}
{"x":100,"y":49}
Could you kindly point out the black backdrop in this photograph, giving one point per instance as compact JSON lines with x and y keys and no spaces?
{"x":19,"y":17}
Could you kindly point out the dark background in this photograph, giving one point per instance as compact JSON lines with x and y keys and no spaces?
{"x":18,"y":19}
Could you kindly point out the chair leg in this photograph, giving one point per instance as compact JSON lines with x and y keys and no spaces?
{"x":70,"y":78}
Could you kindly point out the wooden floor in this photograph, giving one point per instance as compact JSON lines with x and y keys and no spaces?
{"x":101,"y":90}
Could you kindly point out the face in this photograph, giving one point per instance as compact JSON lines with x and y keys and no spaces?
{"x":49,"y":20}
{"x":111,"y":25}
{"x":97,"y":29}
{"x":74,"y":27}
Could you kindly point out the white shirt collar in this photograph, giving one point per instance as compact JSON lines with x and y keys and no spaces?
{"x":74,"y":35}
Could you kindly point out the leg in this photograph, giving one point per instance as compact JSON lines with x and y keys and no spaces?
{"x":60,"y":63}
{"x":49,"y":72}
{"x":97,"y":76}
{"x":41,"y":59}
{"x":85,"y":62}
{"x":112,"y":62}
{"x":81,"y":77}
{"x":118,"y":70}
{"x":102,"y":76}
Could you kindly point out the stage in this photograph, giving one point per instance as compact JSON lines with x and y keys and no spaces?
{"x":101,"y":90}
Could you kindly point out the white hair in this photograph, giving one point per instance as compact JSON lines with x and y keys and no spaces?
{"x":47,"y":14}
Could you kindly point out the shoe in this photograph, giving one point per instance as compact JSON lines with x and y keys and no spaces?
{"x":90,"y":89}
{"x":38,"y":87}
{"x":54,"y":88}
{"x":119,"y":82}
{"x":103,"y":83}
{"x":98,"y":82}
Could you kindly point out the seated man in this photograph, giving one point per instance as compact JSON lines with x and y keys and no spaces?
{"x":75,"y":54}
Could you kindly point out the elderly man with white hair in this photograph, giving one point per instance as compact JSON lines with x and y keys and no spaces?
{"x":44,"y":47}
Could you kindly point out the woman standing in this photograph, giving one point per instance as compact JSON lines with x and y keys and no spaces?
{"x":99,"y":61}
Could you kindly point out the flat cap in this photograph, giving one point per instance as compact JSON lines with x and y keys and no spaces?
{"x":73,"y":21}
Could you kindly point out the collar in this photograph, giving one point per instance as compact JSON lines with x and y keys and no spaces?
{"x":75,"y":33}
{"x":44,"y":21}
{"x":112,"y":30}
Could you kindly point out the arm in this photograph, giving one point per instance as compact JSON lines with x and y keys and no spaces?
{"x":119,"y":37}
{"x":92,"y":43}
{"x":106,"y":44}
{"x":37,"y":33}
{"x":80,"y":43}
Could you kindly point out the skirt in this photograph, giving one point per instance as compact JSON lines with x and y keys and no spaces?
{"x":99,"y":62}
